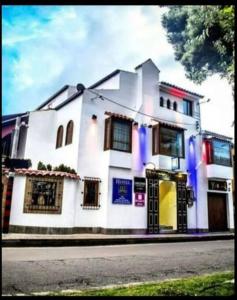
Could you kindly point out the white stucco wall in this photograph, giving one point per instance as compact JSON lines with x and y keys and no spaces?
{"x":138,"y":91}
{"x":63,"y":220}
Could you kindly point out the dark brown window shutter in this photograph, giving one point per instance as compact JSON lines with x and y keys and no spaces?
{"x":155,"y":139}
{"x":107,"y":135}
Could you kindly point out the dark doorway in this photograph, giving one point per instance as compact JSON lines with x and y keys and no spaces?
{"x":217,"y":216}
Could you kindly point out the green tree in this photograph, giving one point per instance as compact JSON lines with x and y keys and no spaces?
{"x":203,"y":39}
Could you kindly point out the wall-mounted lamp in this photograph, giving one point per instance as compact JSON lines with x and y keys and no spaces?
{"x":149,"y":163}
{"x":94,"y":117}
{"x":208,"y":100}
{"x":135,"y":123}
{"x":150,"y":126}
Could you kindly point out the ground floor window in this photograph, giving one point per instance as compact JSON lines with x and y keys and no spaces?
{"x":91,"y":193}
{"x":43,"y":195}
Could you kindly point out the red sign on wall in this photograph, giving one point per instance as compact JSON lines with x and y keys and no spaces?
{"x":139,"y":199}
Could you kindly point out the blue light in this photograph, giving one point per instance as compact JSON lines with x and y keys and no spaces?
{"x":143,"y":144}
{"x":192,"y":166}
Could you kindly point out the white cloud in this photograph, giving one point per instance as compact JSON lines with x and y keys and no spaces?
{"x":85,"y":43}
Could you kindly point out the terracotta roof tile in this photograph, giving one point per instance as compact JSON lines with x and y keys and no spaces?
{"x":179,"y":88}
{"x":118,"y":116}
{"x":42,"y":173}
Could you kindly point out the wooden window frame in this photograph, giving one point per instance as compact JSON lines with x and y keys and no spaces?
{"x":109,"y":134}
{"x":29,"y":207}
{"x":156,"y":138}
{"x":69,"y":134}
{"x":59,"y":139}
{"x":211,"y":158}
{"x":191,"y":107}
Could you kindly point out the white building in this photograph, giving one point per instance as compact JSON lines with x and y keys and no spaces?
{"x":143,"y":165}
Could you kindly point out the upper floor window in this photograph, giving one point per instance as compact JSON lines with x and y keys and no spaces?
{"x":218,"y":152}
{"x":168,"y":103}
{"x":161,"y":101}
{"x":175,"y":106}
{"x":118,"y":134}
{"x":59,"y":141}
{"x":187,"y":107}
{"x":168,"y":141}
{"x":91,"y":193}
{"x":69,"y":133}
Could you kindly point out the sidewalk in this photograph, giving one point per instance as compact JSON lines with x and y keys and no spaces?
{"x":46,"y":240}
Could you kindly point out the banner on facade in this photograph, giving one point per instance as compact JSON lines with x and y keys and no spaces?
{"x":217,"y":185}
{"x":122,"y":191}
{"x":139,"y":185}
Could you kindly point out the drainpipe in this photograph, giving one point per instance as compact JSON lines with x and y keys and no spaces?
{"x":15,"y":138}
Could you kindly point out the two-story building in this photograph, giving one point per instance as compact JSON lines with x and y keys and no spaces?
{"x":143,"y":164}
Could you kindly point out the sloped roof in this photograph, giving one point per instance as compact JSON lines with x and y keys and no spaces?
{"x":118,"y":116}
{"x":30,"y":172}
{"x":182,"y":89}
{"x":216,"y":135}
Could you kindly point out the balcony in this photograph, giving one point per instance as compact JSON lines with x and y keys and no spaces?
{"x":218,"y":171}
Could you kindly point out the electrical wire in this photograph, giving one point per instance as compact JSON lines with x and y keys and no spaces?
{"x":102,"y":97}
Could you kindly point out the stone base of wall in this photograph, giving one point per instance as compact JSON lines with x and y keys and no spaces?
{"x":198,"y":230}
{"x":74,"y":230}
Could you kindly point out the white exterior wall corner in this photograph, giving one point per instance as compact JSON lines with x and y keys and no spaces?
{"x":60,"y":98}
{"x":41,"y":137}
{"x":68,"y":154}
{"x":42,"y":134}
{"x":63,"y":220}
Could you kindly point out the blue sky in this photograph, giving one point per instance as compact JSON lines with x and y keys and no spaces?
{"x":46,"y":47}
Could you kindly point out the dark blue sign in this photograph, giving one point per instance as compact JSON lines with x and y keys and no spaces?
{"x":122,"y":191}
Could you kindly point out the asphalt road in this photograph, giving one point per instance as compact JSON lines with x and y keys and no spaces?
{"x":26,"y":270}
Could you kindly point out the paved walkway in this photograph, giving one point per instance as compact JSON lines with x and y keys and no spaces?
{"x":40,"y":240}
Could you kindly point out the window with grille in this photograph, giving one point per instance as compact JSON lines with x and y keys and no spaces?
{"x":118,"y":135}
{"x":91,"y":193}
{"x":43,"y":195}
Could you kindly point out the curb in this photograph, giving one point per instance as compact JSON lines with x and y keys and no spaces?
{"x":108,"y":241}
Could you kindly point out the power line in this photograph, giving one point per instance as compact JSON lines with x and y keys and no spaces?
{"x":102,"y":97}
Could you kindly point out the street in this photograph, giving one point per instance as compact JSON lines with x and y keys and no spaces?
{"x":26,"y":270}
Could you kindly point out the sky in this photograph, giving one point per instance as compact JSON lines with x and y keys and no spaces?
{"x":47,"y":47}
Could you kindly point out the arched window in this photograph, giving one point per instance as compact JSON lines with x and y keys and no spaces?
{"x":175,"y":106}
{"x":161,"y":101}
{"x":168,"y":103}
{"x":69,"y":133}
{"x":59,"y":141}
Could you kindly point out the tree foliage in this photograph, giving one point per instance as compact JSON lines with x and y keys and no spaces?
{"x":203,"y":39}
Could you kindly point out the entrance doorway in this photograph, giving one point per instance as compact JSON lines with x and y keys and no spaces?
{"x":167,"y":205}
{"x":217,"y":214}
